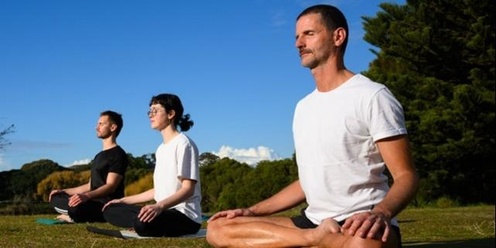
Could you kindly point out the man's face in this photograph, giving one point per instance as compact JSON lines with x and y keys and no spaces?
{"x":104,"y":128}
{"x":313,"y":41}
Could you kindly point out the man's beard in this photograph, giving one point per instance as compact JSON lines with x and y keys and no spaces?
{"x":311,"y":64}
{"x":104,"y":135}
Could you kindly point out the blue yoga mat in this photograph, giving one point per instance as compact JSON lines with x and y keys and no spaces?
{"x":46,"y":221}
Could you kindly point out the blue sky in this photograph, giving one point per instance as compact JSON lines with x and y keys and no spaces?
{"x":233,"y":64}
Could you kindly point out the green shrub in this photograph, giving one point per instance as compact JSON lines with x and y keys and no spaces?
{"x":23,"y":205}
{"x":446,"y":202}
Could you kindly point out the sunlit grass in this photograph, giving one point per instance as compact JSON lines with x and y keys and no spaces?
{"x":424,"y":227}
{"x":447,"y":224}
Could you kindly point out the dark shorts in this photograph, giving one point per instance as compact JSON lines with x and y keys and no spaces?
{"x":302,"y":221}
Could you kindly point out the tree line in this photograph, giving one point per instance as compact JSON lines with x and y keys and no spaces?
{"x":225,"y":182}
{"x":436,"y":56}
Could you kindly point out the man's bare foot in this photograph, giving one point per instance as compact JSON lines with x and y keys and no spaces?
{"x":65,"y":218}
{"x":329,"y":225}
{"x":326,"y":227}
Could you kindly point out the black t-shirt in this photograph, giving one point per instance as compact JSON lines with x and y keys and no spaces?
{"x":112,"y":160}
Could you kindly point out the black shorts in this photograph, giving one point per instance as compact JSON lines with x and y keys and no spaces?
{"x":302,"y":221}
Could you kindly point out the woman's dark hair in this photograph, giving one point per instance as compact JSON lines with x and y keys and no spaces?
{"x":172,"y":102}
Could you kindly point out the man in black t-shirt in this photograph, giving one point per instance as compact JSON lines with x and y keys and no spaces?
{"x":84,"y":203}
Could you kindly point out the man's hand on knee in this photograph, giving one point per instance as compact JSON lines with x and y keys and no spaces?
{"x":232,"y":213}
{"x":367,"y":225}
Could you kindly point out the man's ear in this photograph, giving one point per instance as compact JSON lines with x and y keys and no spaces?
{"x":339,"y":36}
{"x":113,"y":127}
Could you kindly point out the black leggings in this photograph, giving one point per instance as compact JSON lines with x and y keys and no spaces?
{"x":170,"y":223}
{"x":89,"y":211}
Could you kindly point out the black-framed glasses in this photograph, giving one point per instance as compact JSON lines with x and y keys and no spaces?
{"x":153,"y":112}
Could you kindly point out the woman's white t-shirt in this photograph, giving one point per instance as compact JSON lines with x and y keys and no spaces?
{"x":178,"y":159}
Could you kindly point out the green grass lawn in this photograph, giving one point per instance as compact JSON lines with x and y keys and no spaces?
{"x":465,"y":227}
{"x":462,"y":227}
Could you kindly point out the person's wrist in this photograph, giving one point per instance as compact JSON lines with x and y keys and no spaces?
{"x":251,"y":212}
{"x":381,"y":215}
{"x":87,"y":196}
{"x":161,"y":206}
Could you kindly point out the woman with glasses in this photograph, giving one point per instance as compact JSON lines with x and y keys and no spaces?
{"x":176,"y":192}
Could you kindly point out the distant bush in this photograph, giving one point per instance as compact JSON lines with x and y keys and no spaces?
{"x":22,"y":205}
{"x":60,"y":180}
{"x":446,"y":202}
{"x":141,"y":185}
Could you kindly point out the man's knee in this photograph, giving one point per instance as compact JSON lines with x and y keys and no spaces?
{"x":215,"y":233}
{"x":348,"y":241}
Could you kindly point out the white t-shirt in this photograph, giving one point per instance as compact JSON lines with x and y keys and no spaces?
{"x":339,"y":165}
{"x":175,"y":160}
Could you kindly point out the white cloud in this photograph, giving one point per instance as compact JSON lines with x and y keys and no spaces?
{"x":81,"y":161}
{"x":250,"y":156}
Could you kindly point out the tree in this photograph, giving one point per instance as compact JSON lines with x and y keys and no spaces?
{"x":23,"y":182}
{"x":61,"y":180}
{"x":4,"y":182}
{"x":438,"y":59}
{"x":146,"y":161}
{"x":217,"y":178}
{"x":3,"y":141}
{"x":31,"y":174}
{"x":208,"y":158}
{"x":268,"y":178}
{"x":138,"y":167}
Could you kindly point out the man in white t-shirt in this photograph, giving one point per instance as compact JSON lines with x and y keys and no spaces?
{"x":347,"y":132}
